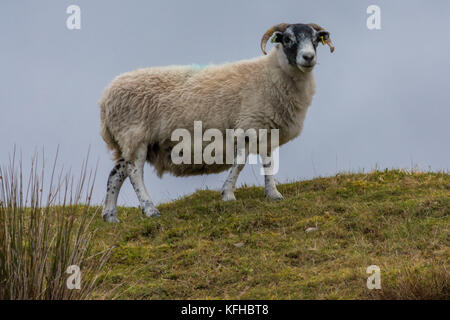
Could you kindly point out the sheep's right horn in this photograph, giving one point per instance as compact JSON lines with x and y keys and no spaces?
{"x":277,"y":28}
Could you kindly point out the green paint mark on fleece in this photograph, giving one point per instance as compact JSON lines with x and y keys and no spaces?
{"x":196,"y":66}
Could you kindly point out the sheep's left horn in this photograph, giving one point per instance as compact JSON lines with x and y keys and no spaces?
{"x":277,"y":28}
{"x":319,"y":28}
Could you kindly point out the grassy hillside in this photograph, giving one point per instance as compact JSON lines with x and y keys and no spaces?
{"x":254,"y":248}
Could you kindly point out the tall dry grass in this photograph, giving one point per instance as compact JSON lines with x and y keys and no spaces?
{"x":414,"y":283}
{"x":45,"y":227}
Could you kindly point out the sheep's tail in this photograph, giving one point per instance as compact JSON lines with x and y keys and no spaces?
{"x":111,"y":143}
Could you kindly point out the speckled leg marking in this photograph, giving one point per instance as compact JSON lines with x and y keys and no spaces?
{"x":115,"y":180}
{"x":270,"y":188}
{"x":230,"y":184}
{"x":136,"y":174}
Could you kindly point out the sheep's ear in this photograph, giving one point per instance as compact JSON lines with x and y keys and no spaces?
{"x":277,"y":37}
{"x":323,"y":36}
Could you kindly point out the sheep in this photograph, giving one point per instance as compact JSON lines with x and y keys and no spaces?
{"x":140,"y":109}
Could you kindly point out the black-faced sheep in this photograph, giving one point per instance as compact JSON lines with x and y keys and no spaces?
{"x":141,"y":109}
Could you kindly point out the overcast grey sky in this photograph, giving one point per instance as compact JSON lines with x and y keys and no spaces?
{"x":382,"y":98}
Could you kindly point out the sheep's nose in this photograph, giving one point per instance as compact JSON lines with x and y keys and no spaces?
{"x":308,"y":57}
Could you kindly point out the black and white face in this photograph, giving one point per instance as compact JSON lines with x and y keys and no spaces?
{"x":299,"y":43}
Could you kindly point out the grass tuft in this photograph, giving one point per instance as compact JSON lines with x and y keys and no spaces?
{"x":42,"y":233}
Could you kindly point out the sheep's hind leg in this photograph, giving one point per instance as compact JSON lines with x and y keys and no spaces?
{"x":270,"y":188}
{"x":115,"y":180}
{"x":230,"y":184}
{"x":136,"y":173}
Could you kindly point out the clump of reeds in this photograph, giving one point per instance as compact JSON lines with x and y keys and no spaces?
{"x":45,"y":227}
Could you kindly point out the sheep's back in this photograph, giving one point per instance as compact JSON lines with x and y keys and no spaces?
{"x":146,"y":105}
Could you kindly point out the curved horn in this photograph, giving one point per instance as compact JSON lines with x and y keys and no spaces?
{"x":276,"y":28}
{"x":319,"y":28}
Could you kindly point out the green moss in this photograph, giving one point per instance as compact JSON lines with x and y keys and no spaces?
{"x":253,"y":248}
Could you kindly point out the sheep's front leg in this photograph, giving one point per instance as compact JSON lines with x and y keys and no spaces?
{"x":270,"y":188}
{"x":136,"y":173}
{"x":230,"y":184}
{"x":115,"y":180}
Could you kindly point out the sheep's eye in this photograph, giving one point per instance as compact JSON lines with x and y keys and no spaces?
{"x":287,"y":41}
